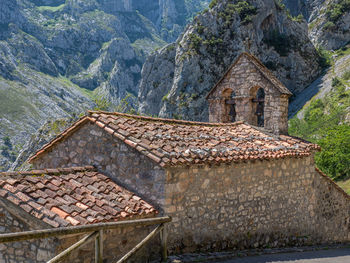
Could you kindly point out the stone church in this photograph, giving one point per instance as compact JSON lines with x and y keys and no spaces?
{"x":238,"y":181}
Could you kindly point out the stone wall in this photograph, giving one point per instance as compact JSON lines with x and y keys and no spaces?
{"x":245,"y":80}
{"x":255,"y":204}
{"x":90,"y":145}
{"x":116,"y":243}
{"x":240,"y":205}
{"x":33,"y":251}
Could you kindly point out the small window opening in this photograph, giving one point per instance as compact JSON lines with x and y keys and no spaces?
{"x":231,"y":107}
{"x":260,"y":100}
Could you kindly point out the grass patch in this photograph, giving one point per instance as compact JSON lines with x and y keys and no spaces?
{"x":345,"y":185}
{"x":51,"y":8}
{"x":15,"y":100}
{"x":346,"y":75}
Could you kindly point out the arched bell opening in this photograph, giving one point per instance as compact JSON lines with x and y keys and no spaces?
{"x":229,"y":105}
{"x":258,"y":106}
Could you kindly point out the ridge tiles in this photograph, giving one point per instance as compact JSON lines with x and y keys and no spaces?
{"x":171,"y":142}
{"x":72,"y":196}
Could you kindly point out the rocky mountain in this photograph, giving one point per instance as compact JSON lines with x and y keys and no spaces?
{"x":59,"y":57}
{"x":329,"y":20}
{"x":176,"y":78}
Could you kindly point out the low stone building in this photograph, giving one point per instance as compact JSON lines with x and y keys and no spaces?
{"x":225,"y":185}
{"x":44,"y":199}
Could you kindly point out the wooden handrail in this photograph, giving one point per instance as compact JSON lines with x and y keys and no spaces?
{"x":69,"y":250}
{"x":62,"y":231}
{"x":141,"y":244}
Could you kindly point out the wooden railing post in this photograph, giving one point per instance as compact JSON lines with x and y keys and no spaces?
{"x":69,"y":250}
{"x":99,"y":247}
{"x":164,"y":243}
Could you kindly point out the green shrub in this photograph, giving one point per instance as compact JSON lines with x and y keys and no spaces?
{"x":336,"y":10}
{"x":329,"y":26}
{"x":346,"y":75}
{"x":334,"y":159}
{"x":245,"y":10}
{"x":195,"y":42}
{"x":213,"y":3}
{"x":165,"y":97}
{"x":299,"y":18}
{"x":336,"y":82}
{"x":125,"y":105}
{"x":280,"y":5}
{"x":325,"y":57}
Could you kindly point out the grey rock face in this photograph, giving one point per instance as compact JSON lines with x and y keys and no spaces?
{"x":327,"y":29}
{"x":9,"y":12}
{"x":157,"y":77}
{"x":100,"y":45}
{"x":329,"y":21}
{"x":209,"y":46}
{"x":26,"y":106}
{"x":307,"y":8}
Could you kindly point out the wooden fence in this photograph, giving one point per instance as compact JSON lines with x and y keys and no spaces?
{"x":95,"y":232}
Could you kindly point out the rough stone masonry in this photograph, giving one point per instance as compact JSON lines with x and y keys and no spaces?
{"x":245,"y":204}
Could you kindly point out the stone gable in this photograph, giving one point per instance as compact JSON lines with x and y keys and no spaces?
{"x":91,"y":145}
{"x":237,"y":92}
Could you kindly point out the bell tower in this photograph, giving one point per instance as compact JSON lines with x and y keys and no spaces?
{"x":249,"y":92}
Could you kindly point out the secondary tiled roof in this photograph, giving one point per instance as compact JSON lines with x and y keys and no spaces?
{"x":175,"y":142}
{"x":262,"y":68}
{"x":71,"y":196}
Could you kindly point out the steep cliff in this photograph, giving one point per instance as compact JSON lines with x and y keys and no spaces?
{"x":176,"y":78}
{"x":329,"y":20}
{"x":58,"y":56}
{"x":330,"y":25}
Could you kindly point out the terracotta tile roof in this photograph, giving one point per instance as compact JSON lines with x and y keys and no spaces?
{"x":174,"y":142}
{"x":262,"y":68}
{"x":71,"y":196}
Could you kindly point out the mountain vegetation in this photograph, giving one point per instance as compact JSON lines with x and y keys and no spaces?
{"x":325,"y":118}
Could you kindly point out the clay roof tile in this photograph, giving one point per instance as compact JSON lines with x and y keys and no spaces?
{"x":165,"y":141}
{"x":87,"y":201}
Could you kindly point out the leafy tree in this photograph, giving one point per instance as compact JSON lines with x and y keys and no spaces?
{"x":334,"y":159}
